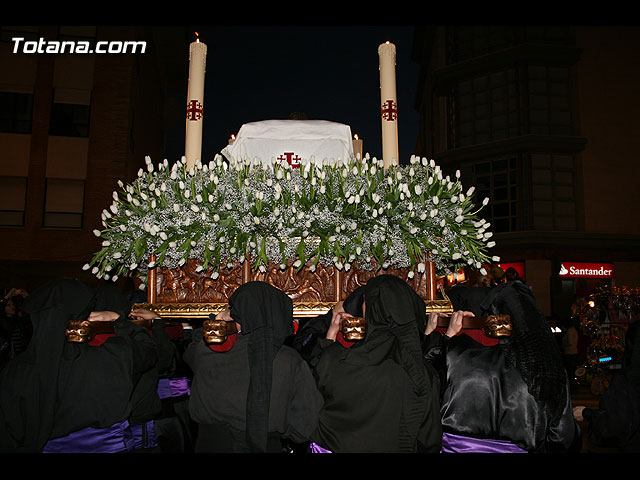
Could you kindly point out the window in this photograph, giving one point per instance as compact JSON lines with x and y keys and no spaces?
{"x":498,"y":180}
{"x":69,"y":120}
{"x":77,"y":33}
{"x":474,"y":41}
{"x":70,"y":113}
{"x":16,"y":111}
{"x":28,"y":33}
{"x":486,"y":109}
{"x":479,"y":40}
{"x":13,"y":196}
{"x":64,"y":203}
{"x":549,"y":108}
{"x":553,"y":194}
{"x":557,"y":35}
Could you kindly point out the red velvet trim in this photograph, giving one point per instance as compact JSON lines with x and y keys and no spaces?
{"x":226,"y":345}
{"x":175,"y":331}
{"x":340,"y":339}
{"x":100,"y":338}
{"x":476,"y":334}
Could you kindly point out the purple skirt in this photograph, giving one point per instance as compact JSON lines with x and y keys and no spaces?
{"x":173,"y":387}
{"x":315,"y":448}
{"x":144,"y":435}
{"x":114,"y":439}
{"x":459,"y":444}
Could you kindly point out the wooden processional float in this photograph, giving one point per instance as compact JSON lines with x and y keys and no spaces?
{"x":189,"y":294}
{"x":186,"y":295}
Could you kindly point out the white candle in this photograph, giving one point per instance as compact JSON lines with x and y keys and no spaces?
{"x":195,"y":102}
{"x":357,"y":147}
{"x":389,"y":103}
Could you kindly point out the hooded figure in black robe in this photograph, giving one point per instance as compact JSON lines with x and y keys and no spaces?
{"x":380,"y":395}
{"x":172,"y":425}
{"x":56,"y":387}
{"x":616,"y":423}
{"x":248,"y":396}
{"x":307,"y":338}
{"x":510,"y":397}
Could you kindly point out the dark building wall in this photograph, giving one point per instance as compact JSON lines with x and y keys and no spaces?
{"x":541,"y":120}
{"x":127,"y":122}
{"x":608,"y":101}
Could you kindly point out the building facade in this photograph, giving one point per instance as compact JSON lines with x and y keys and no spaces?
{"x":541,"y":120}
{"x":71,"y":125}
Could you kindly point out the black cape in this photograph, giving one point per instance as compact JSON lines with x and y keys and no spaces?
{"x":145,"y":402}
{"x":379,"y":394}
{"x":56,"y":387}
{"x":616,"y":423}
{"x":515,"y":391}
{"x":468,"y":298}
{"x":259,"y":387}
{"x":308,"y":338}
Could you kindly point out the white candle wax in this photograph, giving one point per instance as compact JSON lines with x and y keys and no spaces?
{"x":195,"y":102}
{"x":389,"y":103}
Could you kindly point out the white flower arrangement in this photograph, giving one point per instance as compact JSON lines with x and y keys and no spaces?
{"x":334,"y":212}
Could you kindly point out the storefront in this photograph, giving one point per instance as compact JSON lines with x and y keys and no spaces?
{"x":602,"y":312}
{"x":587,"y":277}
{"x":514,"y":268}
{"x":575,"y":280}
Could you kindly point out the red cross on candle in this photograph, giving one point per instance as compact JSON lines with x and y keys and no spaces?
{"x":194,"y":110}
{"x":290,"y":159}
{"x":389,"y":110}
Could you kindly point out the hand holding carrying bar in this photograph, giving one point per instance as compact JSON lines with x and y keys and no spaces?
{"x":98,"y":322}
{"x":217,"y":330}
{"x":494,"y":326}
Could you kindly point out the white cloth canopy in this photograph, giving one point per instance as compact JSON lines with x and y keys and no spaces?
{"x":292,"y":141}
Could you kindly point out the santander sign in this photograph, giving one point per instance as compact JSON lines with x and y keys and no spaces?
{"x":586,"y":270}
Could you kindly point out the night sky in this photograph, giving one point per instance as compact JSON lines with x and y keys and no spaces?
{"x":327,"y":72}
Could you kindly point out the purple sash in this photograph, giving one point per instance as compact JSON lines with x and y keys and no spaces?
{"x":174,"y":387}
{"x":458,"y":444}
{"x":164,"y":388}
{"x":315,"y":448}
{"x":141,"y":440}
{"x":116,"y":438}
{"x":180,"y":386}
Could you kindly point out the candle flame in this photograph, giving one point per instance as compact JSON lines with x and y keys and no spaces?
{"x":197,"y":37}
{"x":356,"y":136}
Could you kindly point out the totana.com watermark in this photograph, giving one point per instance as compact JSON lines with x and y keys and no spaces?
{"x":80,"y":46}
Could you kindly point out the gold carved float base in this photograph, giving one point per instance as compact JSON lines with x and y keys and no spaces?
{"x":185,"y":292}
